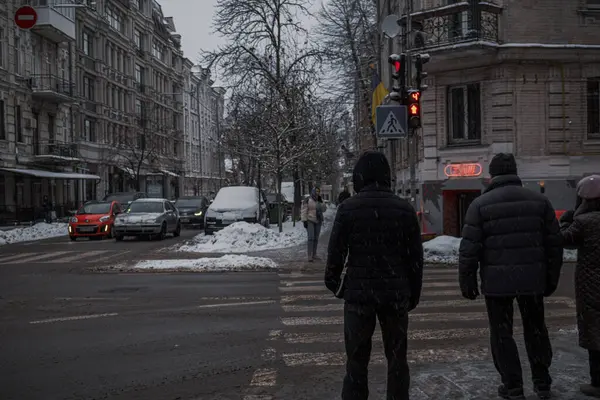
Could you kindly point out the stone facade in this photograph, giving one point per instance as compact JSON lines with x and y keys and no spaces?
{"x":509,"y":82}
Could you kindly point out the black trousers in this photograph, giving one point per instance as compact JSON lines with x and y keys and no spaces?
{"x":359,"y":325}
{"x":504,"y":348}
{"x":595,"y":367}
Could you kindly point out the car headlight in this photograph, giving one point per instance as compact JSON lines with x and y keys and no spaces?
{"x":74,"y":220}
{"x":199,"y":213}
{"x":104,"y":218}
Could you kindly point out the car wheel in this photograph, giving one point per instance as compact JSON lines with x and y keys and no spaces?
{"x":110,"y":233}
{"x":163,"y":232}
{"x":177,"y":232}
{"x":73,"y":238}
{"x":118,"y":238}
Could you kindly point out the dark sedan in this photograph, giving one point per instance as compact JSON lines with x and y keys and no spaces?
{"x":192,"y":210}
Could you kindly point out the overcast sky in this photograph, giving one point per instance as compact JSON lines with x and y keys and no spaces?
{"x":193,"y":20}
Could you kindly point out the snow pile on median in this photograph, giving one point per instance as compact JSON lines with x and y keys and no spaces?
{"x":444,"y":250}
{"x":242,"y":237}
{"x":227,"y":263}
{"x":38,"y":231}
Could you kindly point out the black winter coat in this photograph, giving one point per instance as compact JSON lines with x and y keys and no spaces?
{"x":343,"y":196}
{"x":379,"y":233}
{"x":512,"y":234}
{"x":583,"y":233}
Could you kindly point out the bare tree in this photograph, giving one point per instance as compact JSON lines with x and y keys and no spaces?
{"x":267,"y":46}
{"x":348,"y":30}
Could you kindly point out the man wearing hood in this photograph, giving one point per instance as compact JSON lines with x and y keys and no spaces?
{"x":512,"y":237}
{"x":380,"y":234}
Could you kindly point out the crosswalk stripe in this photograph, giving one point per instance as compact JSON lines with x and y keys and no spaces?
{"x":417,"y":317}
{"x":321,"y":287}
{"x":120,"y":253}
{"x":415,"y":356}
{"x":15,"y":257}
{"x":79,"y":255}
{"x":339,"y":305}
{"x":302,"y":297}
{"x":41,"y":257}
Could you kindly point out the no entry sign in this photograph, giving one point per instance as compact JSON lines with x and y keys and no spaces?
{"x":26,"y":17}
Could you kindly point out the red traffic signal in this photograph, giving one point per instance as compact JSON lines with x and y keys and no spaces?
{"x":397,"y":66}
{"x":415,"y":96}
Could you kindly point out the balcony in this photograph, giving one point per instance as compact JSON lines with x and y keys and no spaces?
{"x":55,"y":152}
{"x":51,"y":88}
{"x":56,"y":24}
{"x":89,"y":63}
{"x":461,"y":25}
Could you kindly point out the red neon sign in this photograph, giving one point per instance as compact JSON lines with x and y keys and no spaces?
{"x":463,"y":170}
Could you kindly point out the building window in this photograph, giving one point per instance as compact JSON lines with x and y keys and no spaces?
{"x":89,"y":130}
{"x":2,"y":50}
{"x":593,"y":108}
{"x":18,"y":124}
{"x":137,"y":38}
{"x":18,"y":59}
{"x":87,"y":44}
{"x":115,"y":19}
{"x":2,"y":121}
{"x":464,"y":114}
{"x":139,"y":74}
{"x":88,"y":88}
{"x":158,"y":51}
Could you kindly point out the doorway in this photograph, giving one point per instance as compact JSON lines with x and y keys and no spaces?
{"x":456,"y":204}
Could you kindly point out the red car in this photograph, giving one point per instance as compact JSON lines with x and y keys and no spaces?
{"x":94,"y":220}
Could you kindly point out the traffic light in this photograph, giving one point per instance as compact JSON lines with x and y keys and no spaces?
{"x":398,"y":62}
{"x":420,"y":60}
{"x":413,"y":103}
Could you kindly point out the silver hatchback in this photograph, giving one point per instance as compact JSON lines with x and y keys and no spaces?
{"x":154,"y":218}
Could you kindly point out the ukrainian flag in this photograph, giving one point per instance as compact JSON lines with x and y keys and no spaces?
{"x":379,"y":93}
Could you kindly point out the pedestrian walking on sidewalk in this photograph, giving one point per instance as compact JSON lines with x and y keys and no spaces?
{"x":311,"y":215}
{"x":580,"y":229}
{"x":379,"y":235}
{"x":512,"y":234}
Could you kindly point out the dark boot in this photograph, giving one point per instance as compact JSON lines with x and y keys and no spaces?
{"x":511,"y":394}
{"x":543,"y":391}
{"x":589,"y":390}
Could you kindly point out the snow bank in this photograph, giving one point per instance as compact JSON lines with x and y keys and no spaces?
{"x":242,"y":237}
{"x":444,"y":250}
{"x":228,"y":263}
{"x":38,"y":231}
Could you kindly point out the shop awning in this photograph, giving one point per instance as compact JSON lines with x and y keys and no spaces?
{"x":38,"y":173}
{"x":164,"y":171}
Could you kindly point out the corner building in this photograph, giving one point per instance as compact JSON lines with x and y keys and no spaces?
{"x":504,"y":76}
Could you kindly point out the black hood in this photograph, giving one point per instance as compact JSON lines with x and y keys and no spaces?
{"x":372,"y":168}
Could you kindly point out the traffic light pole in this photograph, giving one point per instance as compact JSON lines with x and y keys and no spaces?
{"x":411,"y":140}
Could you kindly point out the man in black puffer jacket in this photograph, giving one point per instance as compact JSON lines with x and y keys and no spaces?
{"x":380,"y":234}
{"x":512,"y":235}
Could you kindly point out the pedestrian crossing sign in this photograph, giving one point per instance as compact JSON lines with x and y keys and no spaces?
{"x":391,"y":121}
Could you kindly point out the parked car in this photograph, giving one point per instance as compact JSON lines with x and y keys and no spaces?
{"x":148,"y":217}
{"x":192,"y":209}
{"x":236,"y":203}
{"x":125,"y":198}
{"x":94,"y":219}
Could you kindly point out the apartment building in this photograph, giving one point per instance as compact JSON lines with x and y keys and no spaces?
{"x":504,"y":76}
{"x":39,"y":154}
{"x":130,"y":75}
{"x":211,"y":111}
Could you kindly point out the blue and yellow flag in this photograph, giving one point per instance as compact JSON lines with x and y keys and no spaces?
{"x":379,"y":93}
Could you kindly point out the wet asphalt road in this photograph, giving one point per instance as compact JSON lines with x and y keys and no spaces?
{"x":66,"y":333}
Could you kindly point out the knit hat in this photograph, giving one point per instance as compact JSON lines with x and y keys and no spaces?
{"x":503,"y":164}
{"x":589,"y":187}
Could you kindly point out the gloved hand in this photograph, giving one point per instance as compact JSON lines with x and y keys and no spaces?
{"x":412,"y":303}
{"x":567,"y":217}
{"x":550,"y":289}
{"x":470,"y":293}
{"x":305,"y":224}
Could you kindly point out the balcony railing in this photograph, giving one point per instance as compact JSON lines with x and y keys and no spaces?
{"x":51,"y":87}
{"x":459,"y":23}
{"x":54,"y":148}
